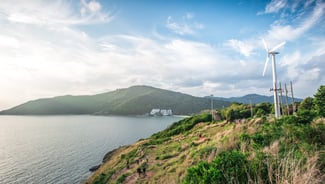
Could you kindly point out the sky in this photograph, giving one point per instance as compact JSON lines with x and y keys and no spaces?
{"x":200,"y":47}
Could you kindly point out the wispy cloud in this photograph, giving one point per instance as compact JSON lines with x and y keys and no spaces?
{"x":245,"y":48}
{"x":279,"y":32}
{"x":53,"y":12}
{"x":185,"y":26}
{"x":288,"y":32}
{"x":274,"y":6}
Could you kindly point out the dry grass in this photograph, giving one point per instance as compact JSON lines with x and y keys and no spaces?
{"x":273,"y":149}
{"x":290,"y":169}
{"x":183,"y":153}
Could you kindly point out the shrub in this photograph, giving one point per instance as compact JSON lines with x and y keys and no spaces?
{"x":182,"y":126}
{"x":122,"y":178}
{"x":203,"y":173}
{"x":262,"y":139}
{"x":306,"y":104}
{"x":305,"y":116}
{"x":227,"y":167}
{"x":103,"y":177}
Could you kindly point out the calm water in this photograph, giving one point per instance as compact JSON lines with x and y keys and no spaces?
{"x":61,"y":149}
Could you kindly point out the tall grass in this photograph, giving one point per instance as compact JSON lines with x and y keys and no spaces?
{"x":290,"y":169}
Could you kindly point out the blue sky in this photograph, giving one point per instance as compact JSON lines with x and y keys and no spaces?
{"x":57,"y":47}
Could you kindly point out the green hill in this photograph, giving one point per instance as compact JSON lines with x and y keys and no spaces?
{"x":136,"y":100}
{"x":195,"y":150}
{"x":290,"y":149}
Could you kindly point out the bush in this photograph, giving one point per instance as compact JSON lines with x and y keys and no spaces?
{"x":306,"y":104}
{"x":306,"y":116}
{"x":157,"y":141}
{"x":227,"y":167}
{"x":122,"y":178}
{"x":203,"y":173}
{"x":103,"y":177}
{"x":182,"y":126}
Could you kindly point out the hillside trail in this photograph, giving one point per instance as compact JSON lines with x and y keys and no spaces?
{"x":134,"y":177}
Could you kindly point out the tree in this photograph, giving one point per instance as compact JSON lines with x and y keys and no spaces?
{"x":319,"y":101}
{"x":306,"y":104}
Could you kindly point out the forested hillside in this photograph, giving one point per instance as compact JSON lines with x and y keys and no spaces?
{"x":136,"y":100}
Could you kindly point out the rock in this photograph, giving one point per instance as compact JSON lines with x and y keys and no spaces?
{"x":94,"y":168}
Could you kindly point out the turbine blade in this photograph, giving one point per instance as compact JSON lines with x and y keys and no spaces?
{"x":265,"y":66}
{"x":278,"y":46}
{"x":265,"y":45}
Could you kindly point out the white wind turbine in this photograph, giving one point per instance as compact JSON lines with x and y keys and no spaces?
{"x":273,"y":52}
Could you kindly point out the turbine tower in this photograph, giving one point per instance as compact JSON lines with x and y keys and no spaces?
{"x":272,"y":53}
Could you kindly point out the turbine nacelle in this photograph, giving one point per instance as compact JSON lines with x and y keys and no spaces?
{"x":273,"y":53}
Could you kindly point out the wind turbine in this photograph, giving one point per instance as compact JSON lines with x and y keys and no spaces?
{"x":273,"y":52}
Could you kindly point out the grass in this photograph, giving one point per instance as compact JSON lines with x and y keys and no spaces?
{"x":276,"y":152}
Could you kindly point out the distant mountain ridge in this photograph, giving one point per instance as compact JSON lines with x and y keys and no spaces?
{"x":135,"y":100}
{"x":255,"y":99}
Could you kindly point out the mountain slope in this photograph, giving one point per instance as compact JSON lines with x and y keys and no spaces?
{"x":195,"y":150}
{"x":136,"y":100}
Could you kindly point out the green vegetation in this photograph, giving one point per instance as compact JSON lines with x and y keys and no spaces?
{"x":103,"y":177}
{"x":263,"y":149}
{"x":227,"y":167}
{"x":122,"y":178}
{"x":182,"y":126}
{"x":319,"y":101}
{"x":242,"y":111}
{"x":136,"y":100}
{"x":284,"y":142}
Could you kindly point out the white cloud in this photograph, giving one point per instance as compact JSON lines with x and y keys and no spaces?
{"x":185,"y":26}
{"x":311,"y":78}
{"x":48,"y":12}
{"x":289,"y":33}
{"x":93,"y":6}
{"x":8,"y":41}
{"x":291,"y":62}
{"x":245,"y":48}
{"x":180,"y":29}
{"x":278,"y":32}
{"x":69,"y":61}
{"x":275,"y":6}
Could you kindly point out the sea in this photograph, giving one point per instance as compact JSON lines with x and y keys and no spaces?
{"x":61,"y":149}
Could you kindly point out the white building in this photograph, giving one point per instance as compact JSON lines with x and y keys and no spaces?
{"x":154,"y":112}
{"x":161,"y":112}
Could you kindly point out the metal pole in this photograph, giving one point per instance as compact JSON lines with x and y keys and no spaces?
{"x":250,"y":101}
{"x":286,"y":90}
{"x":293,"y":99}
{"x":211,"y":107}
{"x":281,"y":102}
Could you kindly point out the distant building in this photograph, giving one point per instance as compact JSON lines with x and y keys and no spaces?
{"x":154,"y":112}
{"x":161,"y":112}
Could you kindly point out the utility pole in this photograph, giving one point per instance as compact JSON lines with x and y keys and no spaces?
{"x":293,"y":100}
{"x":286,"y":90}
{"x":281,"y":102}
{"x":250,"y":102}
{"x":212,"y":108}
{"x":276,"y":100}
